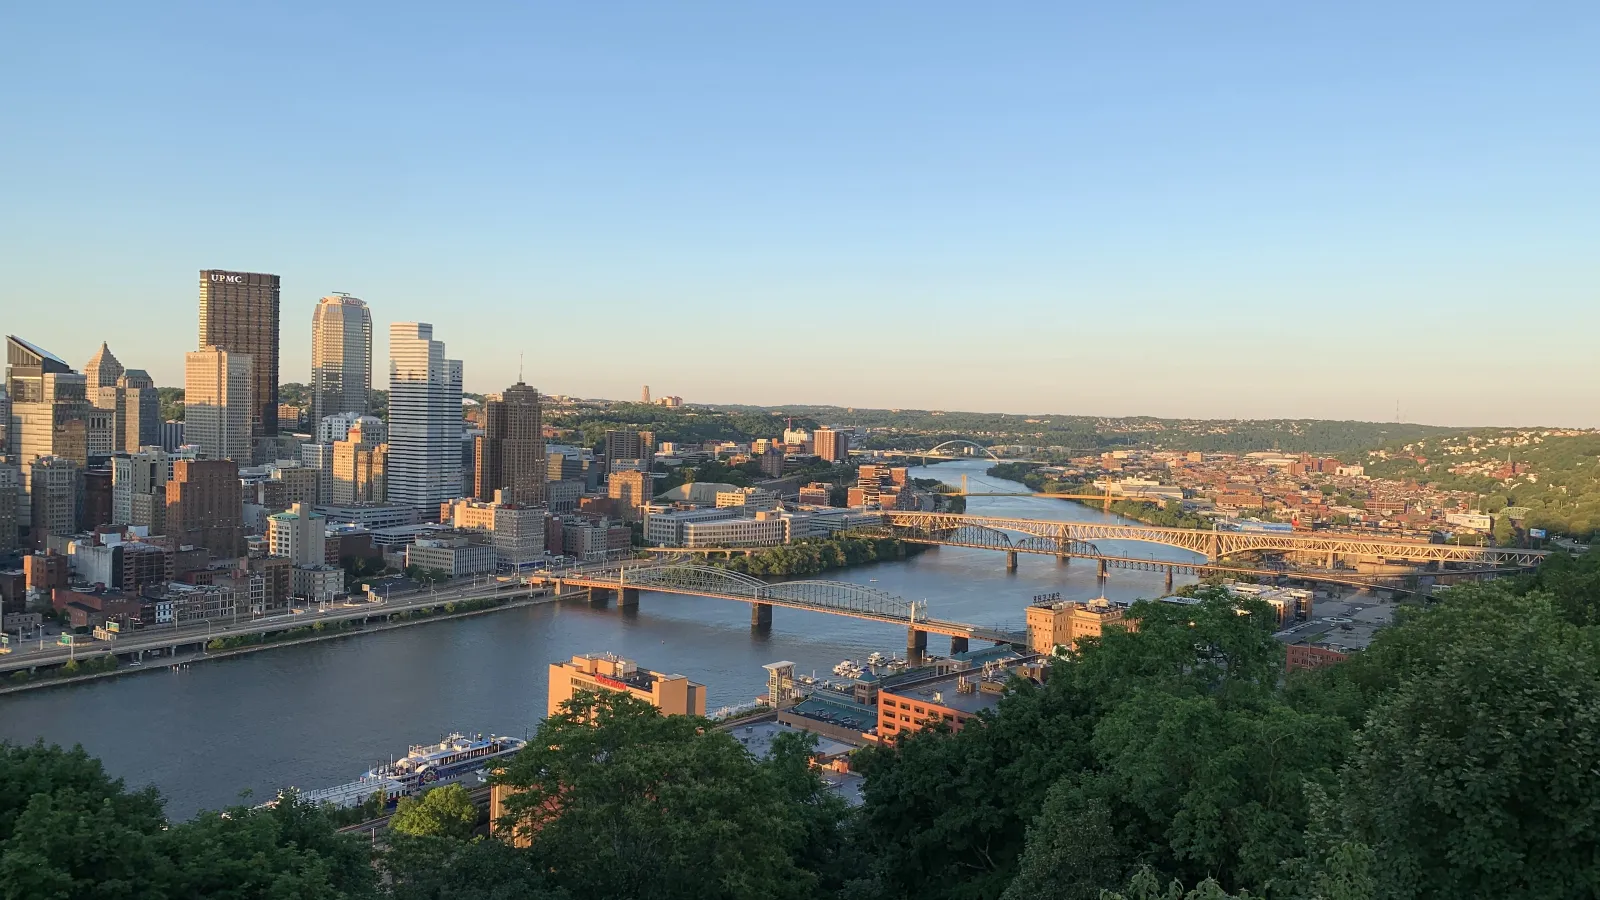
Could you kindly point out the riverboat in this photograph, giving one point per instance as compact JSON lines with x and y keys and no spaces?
{"x":453,"y":757}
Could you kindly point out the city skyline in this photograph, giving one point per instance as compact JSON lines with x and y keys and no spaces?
{"x":1207,"y":214}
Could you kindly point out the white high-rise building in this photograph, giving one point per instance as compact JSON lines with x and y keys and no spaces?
{"x":138,"y":486}
{"x":341,"y":357}
{"x":217,"y":403}
{"x":424,"y":467}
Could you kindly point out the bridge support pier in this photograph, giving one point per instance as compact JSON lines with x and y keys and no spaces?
{"x":761,"y":615}
{"x":1011,"y":560}
{"x":1103,"y":571}
{"x":1169,"y":579}
{"x":1333,"y":560}
{"x":1063,"y":560}
{"x":957,"y":645}
{"x":916,"y":646}
{"x":630,"y":598}
{"x":599,"y":597}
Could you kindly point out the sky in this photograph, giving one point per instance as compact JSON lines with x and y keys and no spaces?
{"x":1355,"y":210}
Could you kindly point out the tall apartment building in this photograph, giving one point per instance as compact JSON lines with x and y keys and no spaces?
{"x":674,"y":695}
{"x":631,"y":490}
{"x":239,"y":314}
{"x":205,"y":507}
{"x":830,"y":445}
{"x":139,"y":489}
{"x":57,"y":497}
{"x":218,"y":403}
{"x":622,"y":444}
{"x":341,"y":357}
{"x":510,"y":452}
{"x":358,"y":463}
{"x":424,"y":419}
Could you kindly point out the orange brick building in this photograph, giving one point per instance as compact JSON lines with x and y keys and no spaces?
{"x":1062,"y":624}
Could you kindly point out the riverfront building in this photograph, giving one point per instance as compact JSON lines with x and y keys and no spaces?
{"x":674,"y":695}
{"x":239,"y":315}
{"x":1064,"y":623}
{"x":341,"y":357}
{"x":424,"y":467}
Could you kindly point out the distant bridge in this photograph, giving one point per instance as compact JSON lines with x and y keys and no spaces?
{"x":1066,"y":537}
{"x":835,"y":597}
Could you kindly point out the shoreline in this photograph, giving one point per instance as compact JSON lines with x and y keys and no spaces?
{"x":170,"y":661}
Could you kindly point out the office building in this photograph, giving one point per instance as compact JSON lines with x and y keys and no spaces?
{"x":336,"y":427}
{"x":454,"y":555}
{"x":749,"y":499}
{"x":511,"y":453}
{"x":623,"y":444}
{"x":665,"y":529}
{"x":562,"y":496}
{"x":218,"y":403}
{"x":299,"y":535}
{"x":358,"y":463}
{"x":320,"y":583}
{"x":103,"y":369}
{"x":56,"y":490}
{"x":137,"y":405}
{"x":516,"y":531}
{"x":172,"y":435}
{"x":205,"y":507}
{"x":49,"y":413}
{"x":341,"y":357}
{"x":319,"y":459}
{"x":10,"y":495}
{"x":424,"y":467}
{"x":816,"y":493}
{"x":772,"y":463}
{"x":767,"y":529}
{"x":139,"y":489}
{"x":239,"y":315}
{"x":631,"y":490}
{"x":674,"y":695}
{"x":953,"y":700}
{"x":95,"y":508}
{"x":830,"y":446}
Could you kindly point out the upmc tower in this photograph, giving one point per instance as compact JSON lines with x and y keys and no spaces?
{"x":239,"y":314}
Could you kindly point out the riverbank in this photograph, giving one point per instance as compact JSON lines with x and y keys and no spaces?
{"x":813,"y":556}
{"x":311,"y":635}
{"x":1170,"y":515}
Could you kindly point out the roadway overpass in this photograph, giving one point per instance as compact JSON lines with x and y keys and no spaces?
{"x":834,"y":597}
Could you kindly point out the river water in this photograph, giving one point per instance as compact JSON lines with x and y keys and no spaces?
{"x":320,"y":714}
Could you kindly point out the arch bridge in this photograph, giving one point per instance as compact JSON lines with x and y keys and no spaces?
{"x":1061,"y":537}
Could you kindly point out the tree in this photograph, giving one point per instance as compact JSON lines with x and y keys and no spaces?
{"x":622,"y":801}
{"x":1478,"y":775}
{"x":439,"y":868}
{"x":1071,"y":853}
{"x":287,"y":850}
{"x":446,"y":811}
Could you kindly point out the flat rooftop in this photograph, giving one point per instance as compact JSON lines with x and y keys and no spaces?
{"x":1344,"y":624}
{"x":757,"y":738}
{"x":970,"y":702}
{"x":837,"y":710}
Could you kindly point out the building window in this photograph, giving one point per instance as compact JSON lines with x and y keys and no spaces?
{"x":919,"y":710}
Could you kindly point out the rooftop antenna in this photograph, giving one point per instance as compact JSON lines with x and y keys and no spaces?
{"x":519,"y":368}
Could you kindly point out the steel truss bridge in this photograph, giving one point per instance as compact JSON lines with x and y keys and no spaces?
{"x":835,"y":597}
{"x":1076,"y":539}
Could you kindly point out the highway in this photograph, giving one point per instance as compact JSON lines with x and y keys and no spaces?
{"x":26,"y":655}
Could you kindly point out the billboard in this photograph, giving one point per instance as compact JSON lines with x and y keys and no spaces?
{"x":1538,"y":533}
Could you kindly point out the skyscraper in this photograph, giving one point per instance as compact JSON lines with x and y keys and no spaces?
{"x":510,"y":452}
{"x":103,"y":369}
{"x":341,"y":357}
{"x":622,"y":443}
{"x":424,"y":419}
{"x":239,"y":314}
{"x":138,"y":410}
{"x":217,"y":403}
{"x":56,"y":485}
{"x":49,"y":412}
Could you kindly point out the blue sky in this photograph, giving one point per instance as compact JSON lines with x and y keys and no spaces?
{"x":1229,"y":209}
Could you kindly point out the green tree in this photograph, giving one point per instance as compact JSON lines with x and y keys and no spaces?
{"x":287,"y":850}
{"x":1479,"y":775}
{"x":440,"y":868}
{"x":446,"y":811}
{"x":625,"y":802}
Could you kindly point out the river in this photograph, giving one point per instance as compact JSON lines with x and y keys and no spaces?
{"x":320,"y":714}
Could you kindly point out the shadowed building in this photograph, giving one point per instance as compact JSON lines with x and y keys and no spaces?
{"x":205,"y":506}
{"x":510,"y":453}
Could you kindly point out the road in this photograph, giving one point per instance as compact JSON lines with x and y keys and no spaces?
{"x":28,"y":655}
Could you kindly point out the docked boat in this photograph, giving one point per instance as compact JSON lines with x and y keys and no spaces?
{"x":453,"y":757}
